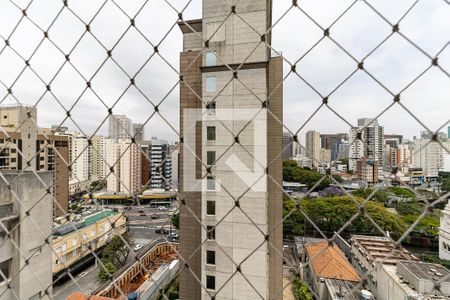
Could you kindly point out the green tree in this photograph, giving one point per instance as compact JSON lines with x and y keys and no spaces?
{"x":409,"y":208}
{"x":444,"y":180}
{"x":176,"y":220}
{"x":300,"y":289}
{"x":401,"y":192}
{"x":107,"y":270}
{"x":292,"y":172}
{"x":427,"y":226}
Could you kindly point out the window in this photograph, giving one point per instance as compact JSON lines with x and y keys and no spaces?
{"x":211,"y":59}
{"x":211,"y":108}
{"x":210,"y":157}
{"x":75,"y":241}
{"x":4,"y":268}
{"x":215,"y":31}
{"x":211,"y":84}
{"x":93,"y":232}
{"x":75,"y":252}
{"x":211,"y":234}
{"x":210,"y":183}
{"x":210,"y":257}
{"x":84,"y":236}
{"x":210,"y":208}
{"x":210,"y":282}
{"x":211,"y":133}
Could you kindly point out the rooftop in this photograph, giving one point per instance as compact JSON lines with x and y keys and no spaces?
{"x":427,"y":271}
{"x":87,"y":221}
{"x":381,"y":248}
{"x":329,"y":262}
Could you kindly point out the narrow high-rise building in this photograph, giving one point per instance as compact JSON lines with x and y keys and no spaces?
{"x":313,"y":146}
{"x":120,"y":127}
{"x":138,"y":132}
{"x":368,"y":145}
{"x":428,"y":155}
{"x":231,"y":234}
{"x":125,"y":159}
{"x":99,"y":166}
{"x":288,"y":146}
{"x":160,"y":164}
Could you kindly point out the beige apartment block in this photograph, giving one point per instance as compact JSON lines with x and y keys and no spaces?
{"x":313,"y":147}
{"x":75,"y":240}
{"x":243,"y":236}
{"x":125,"y":159}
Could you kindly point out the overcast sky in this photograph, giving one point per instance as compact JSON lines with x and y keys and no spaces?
{"x":395,"y":64}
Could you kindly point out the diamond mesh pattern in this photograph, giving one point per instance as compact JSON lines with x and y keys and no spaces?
{"x":64,"y":56}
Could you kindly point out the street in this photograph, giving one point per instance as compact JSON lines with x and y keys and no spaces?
{"x":141,"y":228}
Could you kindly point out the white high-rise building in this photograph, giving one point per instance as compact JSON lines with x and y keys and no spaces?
{"x":370,"y":146}
{"x":98,"y":154}
{"x":78,"y":157}
{"x":160,"y":164}
{"x":120,"y":127}
{"x":125,"y":158}
{"x":428,"y":155}
{"x":313,"y":146}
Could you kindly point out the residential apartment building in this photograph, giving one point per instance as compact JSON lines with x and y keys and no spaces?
{"x":400,"y":157}
{"x":175,"y":154}
{"x":79,"y":161}
{"x":75,"y":240}
{"x":428,"y":155}
{"x":120,"y":127}
{"x":366,"y":141}
{"x":313,"y":147}
{"x":204,"y":72}
{"x":288,"y":146}
{"x":160,"y":164}
{"x":25,"y":257}
{"x":325,"y":157}
{"x":98,"y":153}
{"x":27,"y":147}
{"x":125,"y":159}
{"x":444,"y":233}
{"x":138,"y":132}
{"x":332,"y":142}
{"x":367,"y":170}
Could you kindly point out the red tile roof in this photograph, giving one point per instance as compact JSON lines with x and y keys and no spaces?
{"x":329,"y":262}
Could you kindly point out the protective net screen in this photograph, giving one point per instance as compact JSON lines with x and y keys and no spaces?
{"x":224,"y":149}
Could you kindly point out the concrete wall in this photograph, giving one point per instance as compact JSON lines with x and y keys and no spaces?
{"x":29,"y":237}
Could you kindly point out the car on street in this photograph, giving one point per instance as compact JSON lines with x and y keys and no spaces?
{"x":173,"y":236}
{"x":137,"y":247}
{"x":162,"y":230}
{"x":162,"y":208}
{"x":142,"y":214}
{"x":154,"y":216}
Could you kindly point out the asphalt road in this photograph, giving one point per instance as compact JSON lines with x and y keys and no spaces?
{"x":141,"y":226}
{"x":87,"y":280}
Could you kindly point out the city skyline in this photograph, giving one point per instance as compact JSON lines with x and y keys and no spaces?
{"x":359,"y":97}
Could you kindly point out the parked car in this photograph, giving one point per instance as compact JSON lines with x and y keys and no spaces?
{"x":137,"y":247}
{"x":154,"y":216}
{"x":162,"y":208}
{"x":142,"y":214}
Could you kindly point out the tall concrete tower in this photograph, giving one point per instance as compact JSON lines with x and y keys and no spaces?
{"x":231,"y":155}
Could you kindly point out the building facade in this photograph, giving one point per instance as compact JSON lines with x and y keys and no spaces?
{"x":366,"y":141}
{"x":332,"y":142}
{"x":313,"y":147}
{"x":288,"y":146}
{"x":120,"y":127}
{"x":76,"y":240}
{"x":138,"y":132}
{"x":27,"y":147}
{"x":25,"y":257}
{"x":98,"y":154}
{"x":230,"y":44}
{"x":160,"y":164}
{"x":428,"y":155}
{"x":444,"y":233}
{"x":125,"y":159}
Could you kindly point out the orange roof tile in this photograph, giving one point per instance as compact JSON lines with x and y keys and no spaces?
{"x":329,"y":262}
{"x":81,"y":296}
